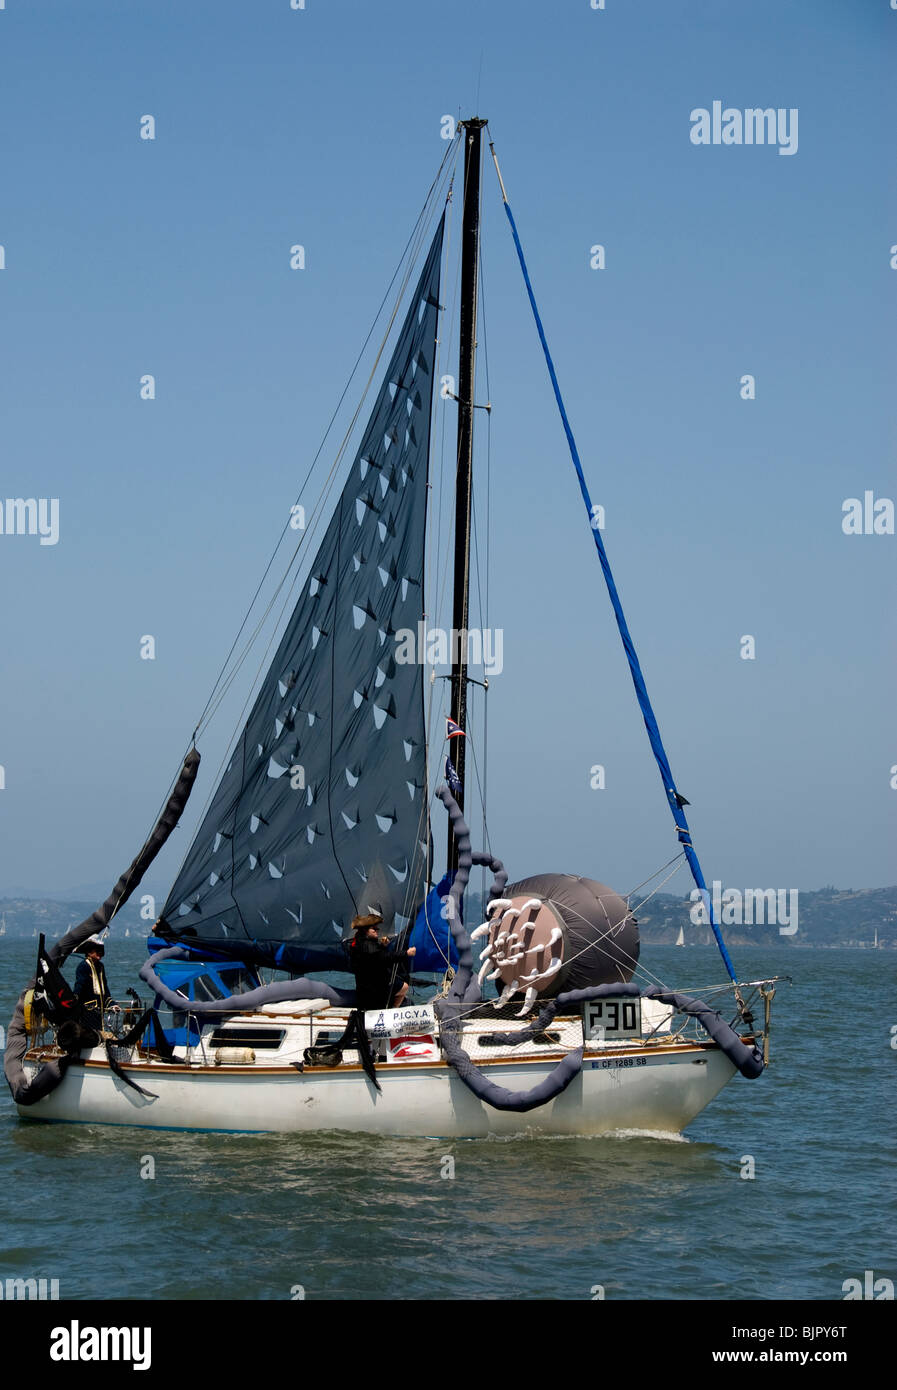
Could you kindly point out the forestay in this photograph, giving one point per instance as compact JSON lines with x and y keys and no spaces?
{"x":322,"y":810}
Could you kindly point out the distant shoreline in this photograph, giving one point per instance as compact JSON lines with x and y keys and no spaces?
{"x":829,"y":917}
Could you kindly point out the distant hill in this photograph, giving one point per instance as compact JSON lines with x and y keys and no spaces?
{"x":24,"y":917}
{"x":80,"y":893}
{"x":825,"y":917}
{"x":829,"y":917}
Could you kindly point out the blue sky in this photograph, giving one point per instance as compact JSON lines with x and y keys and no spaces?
{"x":322,"y":127}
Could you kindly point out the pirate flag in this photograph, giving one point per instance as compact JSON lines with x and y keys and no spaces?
{"x":52,"y":996}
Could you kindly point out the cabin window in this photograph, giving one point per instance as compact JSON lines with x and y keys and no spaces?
{"x":238,"y":980}
{"x":207,"y":987}
{"x":237,"y":1036}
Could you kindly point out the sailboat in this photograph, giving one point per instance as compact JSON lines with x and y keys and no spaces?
{"x":680,"y":939}
{"x":324,"y":816}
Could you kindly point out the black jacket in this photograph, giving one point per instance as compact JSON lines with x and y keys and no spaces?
{"x":378,"y":972}
{"x":86,"y":987}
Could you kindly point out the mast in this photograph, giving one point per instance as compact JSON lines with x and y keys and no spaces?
{"x":470,"y":242}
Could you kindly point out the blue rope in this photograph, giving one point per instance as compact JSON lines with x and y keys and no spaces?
{"x":638,"y":679}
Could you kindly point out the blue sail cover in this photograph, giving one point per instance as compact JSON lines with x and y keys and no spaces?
{"x":322,"y":811}
{"x":431,"y":935}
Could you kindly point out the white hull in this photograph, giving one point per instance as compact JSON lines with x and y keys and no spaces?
{"x":660,"y":1090}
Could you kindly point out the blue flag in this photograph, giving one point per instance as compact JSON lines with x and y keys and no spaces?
{"x":452,"y":778}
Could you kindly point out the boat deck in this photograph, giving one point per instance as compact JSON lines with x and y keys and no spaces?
{"x":275,"y":1039}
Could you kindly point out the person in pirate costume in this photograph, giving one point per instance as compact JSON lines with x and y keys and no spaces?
{"x":379,"y":979}
{"x":91,"y":985}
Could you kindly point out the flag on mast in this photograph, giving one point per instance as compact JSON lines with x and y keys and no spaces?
{"x":453,"y":730}
{"x":452,"y":778}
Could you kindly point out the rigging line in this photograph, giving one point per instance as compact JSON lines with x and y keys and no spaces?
{"x":233,"y":844}
{"x":481,"y":337}
{"x":438,"y":563}
{"x":319,"y":512}
{"x":596,"y":945}
{"x":638,"y":969}
{"x":231,"y":742}
{"x":488,"y":551}
{"x":471,"y":405}
{"x":468,"y":1010}
{"x":647,"y":880}
{"x":449,"y":549}
{"x":484,"y":609}
{"x":708,"y":992}
{"x":436,"y":597}
{"x":233,"y":739}
{"x":435,"y":542}
{"x":670,"y":875}
{"x":438,"y":424}
{"x":339,"y":540}
{"x":446,"y":479}
{"x":477,"y":569}
{"x":483,"y":789}
{"x":408,"y":899}
{"x":331,"y":721}
{"x":703,"y":992}
{"x":274,"y":596}
{"x":410,"y":895}
{"x":714,"y":989}
{"x":423,"y":215}
{"x":433,"y":937}
{"x":673,"y":798}
{"x":437,"y":586}
{"x":443,"y":586}
{"x":476,"y":770}
{"x":429,"y":798}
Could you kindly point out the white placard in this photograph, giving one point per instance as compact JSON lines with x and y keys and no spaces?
{"x":399,"y":1023}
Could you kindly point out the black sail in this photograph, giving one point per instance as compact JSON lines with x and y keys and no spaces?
{"x":322,"y":811}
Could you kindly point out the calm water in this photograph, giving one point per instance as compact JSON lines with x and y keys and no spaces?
{"x":346,"y":1217}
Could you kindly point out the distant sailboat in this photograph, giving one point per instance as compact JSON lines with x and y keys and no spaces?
{"x":680,"y":939}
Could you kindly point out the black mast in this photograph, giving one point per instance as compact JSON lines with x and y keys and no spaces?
{"x":466,"y":380}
